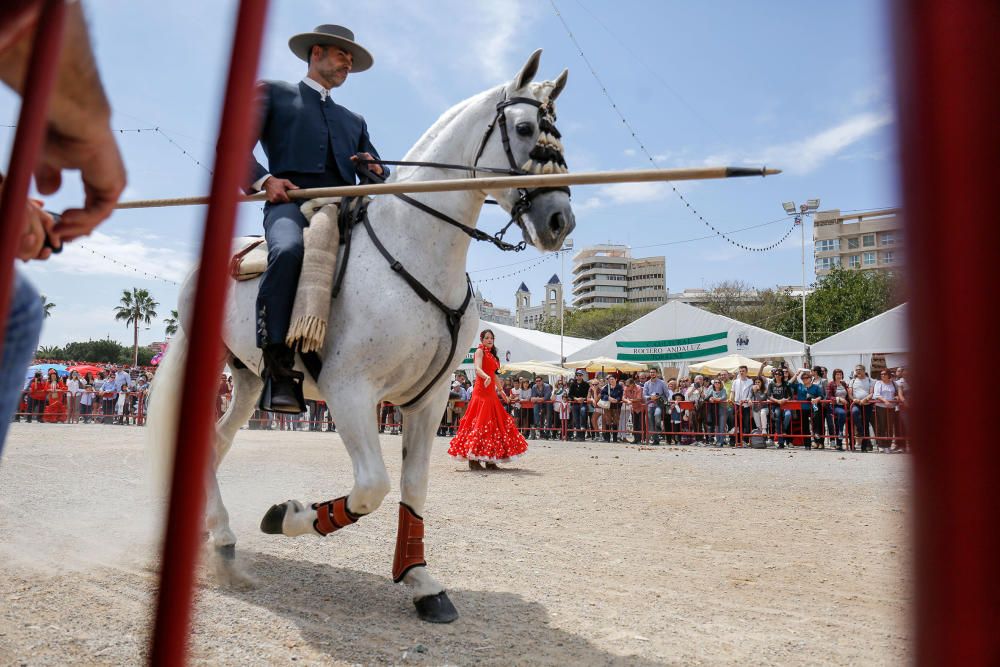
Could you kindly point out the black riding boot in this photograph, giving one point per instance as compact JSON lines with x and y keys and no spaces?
{"x":282,"y":384}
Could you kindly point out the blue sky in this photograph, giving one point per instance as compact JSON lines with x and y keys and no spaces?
{"x":801,"y":86}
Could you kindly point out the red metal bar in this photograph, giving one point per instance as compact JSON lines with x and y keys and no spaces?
{"x":948,"y":68}
{"x":38,"y":84}
{"x":194,"y":435}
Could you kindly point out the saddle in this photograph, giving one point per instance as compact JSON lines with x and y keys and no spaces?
{"x":249,"y":260}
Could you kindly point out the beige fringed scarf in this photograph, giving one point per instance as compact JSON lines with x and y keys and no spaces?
{"x":312,"y":299}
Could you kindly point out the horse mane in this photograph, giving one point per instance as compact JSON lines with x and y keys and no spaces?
{"x":431,"y":134}
{"x":538,"y":89}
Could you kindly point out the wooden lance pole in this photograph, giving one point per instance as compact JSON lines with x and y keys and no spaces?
{"x":486,"y":183}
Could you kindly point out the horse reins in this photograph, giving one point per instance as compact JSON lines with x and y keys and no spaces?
{"x":358,"y":213}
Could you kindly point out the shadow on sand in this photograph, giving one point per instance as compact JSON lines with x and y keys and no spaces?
{"x":357,"y":617}
{"x":510,"y":472}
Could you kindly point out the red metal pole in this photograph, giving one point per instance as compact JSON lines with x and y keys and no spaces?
{"x":194,"y":435}
{"x":948,"y":73}
{"x":31,"y":125}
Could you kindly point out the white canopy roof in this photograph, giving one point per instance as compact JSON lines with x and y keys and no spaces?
{"x":882,"y":334}
{"x":677,"y":333}
{"x":515,"y":344}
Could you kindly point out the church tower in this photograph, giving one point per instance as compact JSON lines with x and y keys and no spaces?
{"x":522,"y":301}
{"x":553,"y":297}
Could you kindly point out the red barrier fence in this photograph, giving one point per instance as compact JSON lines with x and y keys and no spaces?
{"x":820,"y":425}
{"x":948,"y":66}
{"x":194,"y":435}
{"x":31,"y":126}
{"x":63,"y":407}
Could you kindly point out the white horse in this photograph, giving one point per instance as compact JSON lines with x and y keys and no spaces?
{"x":384,"y":342}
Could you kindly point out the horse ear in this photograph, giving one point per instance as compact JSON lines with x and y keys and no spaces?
{"x":529,"y":70}
{"x":560,"y":83}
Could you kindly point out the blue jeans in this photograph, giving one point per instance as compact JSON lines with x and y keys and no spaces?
{"x":782,"y":425}
{"x":20,"y":341}
{"x":835,"y":421}
{"x":541,"y":414}
{"x":578,"y":413}
{"x":862,"y":422}
{"x":721,"y":411}
{"x":654,"y":413}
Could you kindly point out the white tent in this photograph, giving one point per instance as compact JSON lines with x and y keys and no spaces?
{"x":679,"y":334}
{"x":515,"y":344}
{"x":882,"y":334}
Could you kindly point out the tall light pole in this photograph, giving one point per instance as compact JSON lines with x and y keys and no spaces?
{"x":809,"y":207}
{"x":567,"y":246}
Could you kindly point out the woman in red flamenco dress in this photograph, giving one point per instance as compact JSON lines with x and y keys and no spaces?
{"x":486,"y":434}
{"x":55,"y":411}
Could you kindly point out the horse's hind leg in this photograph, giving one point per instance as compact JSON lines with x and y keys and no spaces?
{"x":409,"y":565}
{"x":246,"y":389}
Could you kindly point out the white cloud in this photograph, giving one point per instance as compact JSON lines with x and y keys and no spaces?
{"x":489,"y":41}
{"x":807,"y":155}
{"x":104,"y":254}
{"x":633,"y":193}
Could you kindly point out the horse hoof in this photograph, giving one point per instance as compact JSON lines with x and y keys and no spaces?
{"x":227,"y":571}
{"x":436,"y":608}
{"x":274,"y":519}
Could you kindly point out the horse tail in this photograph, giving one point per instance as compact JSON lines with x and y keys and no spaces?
{"x":164,"y":410}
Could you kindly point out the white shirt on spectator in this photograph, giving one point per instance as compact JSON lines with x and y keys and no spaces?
{"x":884,"y":390}
{"x":742,"y":390}
{"x":122,"y":377}
{"x":861,"y":388}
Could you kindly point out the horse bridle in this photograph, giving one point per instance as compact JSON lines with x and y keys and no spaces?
{"x":355,"y":212}
{"x":546,"y":124}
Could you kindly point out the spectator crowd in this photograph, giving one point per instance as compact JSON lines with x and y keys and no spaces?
{"x":808,"y":407}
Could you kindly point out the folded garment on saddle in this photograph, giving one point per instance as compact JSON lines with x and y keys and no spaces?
{"x":249,"y":260}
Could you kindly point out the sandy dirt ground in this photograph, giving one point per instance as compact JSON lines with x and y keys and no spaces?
{"x":577,"y":554}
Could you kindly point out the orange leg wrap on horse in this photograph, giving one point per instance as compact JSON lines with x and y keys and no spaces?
{"x":409,"y":543}
{"x":333,"y":515}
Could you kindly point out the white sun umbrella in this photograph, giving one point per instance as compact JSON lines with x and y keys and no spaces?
{"x":598,"y":364}
{"x":536,"y":367}
{"x":730,"y":363}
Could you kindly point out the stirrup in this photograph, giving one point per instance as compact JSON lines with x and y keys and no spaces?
{"x":266,"y":402}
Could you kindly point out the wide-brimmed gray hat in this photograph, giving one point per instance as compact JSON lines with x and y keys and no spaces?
{"x":331,"y":35}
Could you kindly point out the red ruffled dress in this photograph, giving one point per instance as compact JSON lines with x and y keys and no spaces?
{"x":487,"y":432}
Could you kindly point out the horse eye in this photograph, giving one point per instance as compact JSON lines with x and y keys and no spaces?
{"x":525,"y":129}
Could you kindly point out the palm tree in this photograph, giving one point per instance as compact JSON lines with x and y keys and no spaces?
{"x":47,"y":306}
{"x":137,"y":306}
{"x":171,"y":323}
{"x":49,"y":352}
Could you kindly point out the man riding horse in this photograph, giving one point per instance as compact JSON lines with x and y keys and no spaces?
{"x":310,"y":142}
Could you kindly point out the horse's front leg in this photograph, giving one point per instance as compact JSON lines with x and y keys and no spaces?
{"x":409,"y":565}
{"x":371,"y":480}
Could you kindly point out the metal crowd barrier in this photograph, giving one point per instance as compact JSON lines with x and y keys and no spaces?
{"x":73,"y":410}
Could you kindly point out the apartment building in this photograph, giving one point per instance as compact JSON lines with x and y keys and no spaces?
{"x":865,"y":241}
{"x":607,"y":275}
